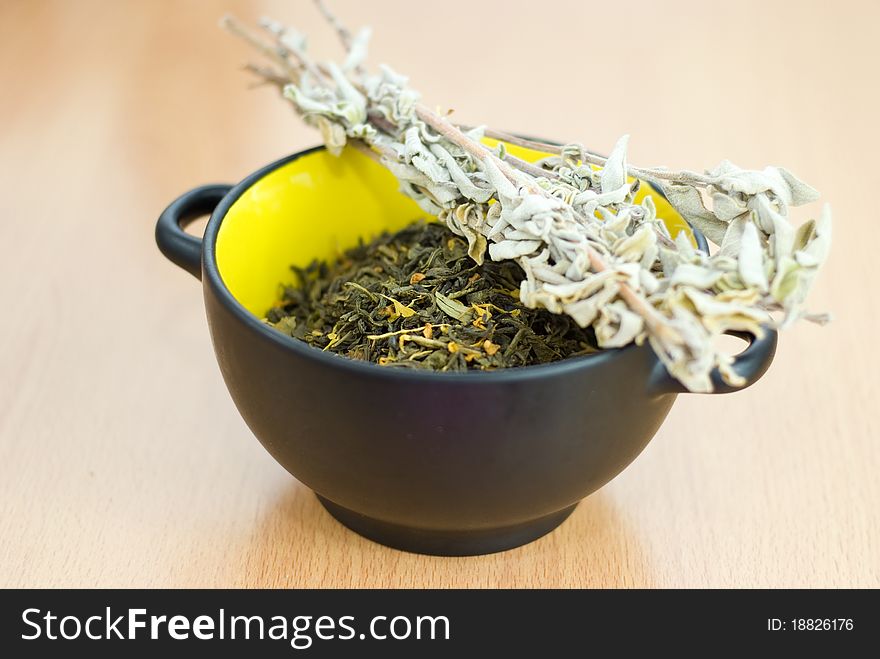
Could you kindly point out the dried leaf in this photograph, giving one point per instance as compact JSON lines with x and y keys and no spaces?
{"x":688,"y":274}
{"x":785,"y":282}
{"x":751,"y":264}
{"x":513,"y":249}
{"x":727,"y":208}
{"x":818,"y":248}
{"x":614,"y":172}
{"x":800,"y":192}
{"x":400,"y":309}
{"x":333,"y":135}
{"x":688,"y":201}
{"x":357,"y":52}
{"x":453,"y":308}
{"x":618,"y":325}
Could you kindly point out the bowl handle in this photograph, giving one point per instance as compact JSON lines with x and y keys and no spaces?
{"x":177,"y":245}
{"x":751,"y":364}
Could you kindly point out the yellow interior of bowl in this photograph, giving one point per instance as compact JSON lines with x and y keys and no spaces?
{"x":318,"y":206}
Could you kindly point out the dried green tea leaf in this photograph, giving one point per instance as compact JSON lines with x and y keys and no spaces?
{"x":453,"y":308}
{"x":383,"y":302}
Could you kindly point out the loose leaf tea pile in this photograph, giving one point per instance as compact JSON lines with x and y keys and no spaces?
{"x":415,"y":299}
{"x":570,"y":221}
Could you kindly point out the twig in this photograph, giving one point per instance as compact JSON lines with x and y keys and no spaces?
{"x":284,"y":50}
{"x":375,"y":150}
{"x":269,"y":76}
{"x":376,"y":119}
{"x":343,"y":32}
{"x":363,"y":147}
{"x":234,"y":26}
{"x":478,"y":151}
{"x":413,"y":330}
{"x":529,"y":168}
{"x":272,"y":77}
{"x":653,"y":173}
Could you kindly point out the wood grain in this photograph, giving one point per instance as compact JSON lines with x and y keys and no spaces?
{"x":122,"y":459}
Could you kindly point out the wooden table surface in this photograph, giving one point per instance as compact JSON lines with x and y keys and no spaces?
{"x":123,"y":461}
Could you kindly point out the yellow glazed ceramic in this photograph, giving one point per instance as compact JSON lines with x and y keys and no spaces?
{"x":317,"y":206}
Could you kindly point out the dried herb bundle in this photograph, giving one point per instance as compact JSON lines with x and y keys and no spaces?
{"x":415,"y":299}
{"x":585,"y":248}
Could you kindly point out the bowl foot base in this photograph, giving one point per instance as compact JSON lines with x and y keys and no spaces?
{"x":446,"y":543}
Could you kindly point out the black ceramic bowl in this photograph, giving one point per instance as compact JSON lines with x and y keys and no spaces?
{"x":438,"y":463}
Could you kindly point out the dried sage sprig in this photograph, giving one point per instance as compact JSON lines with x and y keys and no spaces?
{"x":570,"y":221}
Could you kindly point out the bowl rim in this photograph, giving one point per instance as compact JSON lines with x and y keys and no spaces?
{"x":212,"y":278}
